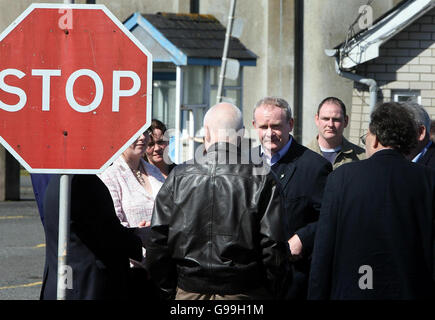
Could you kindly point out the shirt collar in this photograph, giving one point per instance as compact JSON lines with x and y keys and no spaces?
{"x":422,"y":152}
{"x":277,"y":156}
{"x":336,"y":149}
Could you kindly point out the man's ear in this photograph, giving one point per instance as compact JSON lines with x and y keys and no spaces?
{"x":254,"y":124}
{"x":346,"y":121}
{"x":421,"y":133}
{"x":207,"y":135}
{"x":376,"y":143}
{"x":291,"y":123}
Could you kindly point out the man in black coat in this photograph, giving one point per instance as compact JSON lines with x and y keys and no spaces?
{"x":99,"y":246}
{"x":302,"y":174}
{"x":375,"y":235}
{"x":428,"y":159}
{"x":424,"y":152}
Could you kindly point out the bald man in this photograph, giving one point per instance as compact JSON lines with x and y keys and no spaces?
{"x":217,"y":230}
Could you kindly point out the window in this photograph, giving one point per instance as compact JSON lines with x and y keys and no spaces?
{"x":406,"y":96}
{"x":231,"y":91}
{"x":194,"y":85}
{"x":164,"y":102}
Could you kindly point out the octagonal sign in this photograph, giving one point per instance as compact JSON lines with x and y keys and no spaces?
{"x":75,"y":88}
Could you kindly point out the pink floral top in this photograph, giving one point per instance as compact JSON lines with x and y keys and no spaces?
{"x":133,"y":203}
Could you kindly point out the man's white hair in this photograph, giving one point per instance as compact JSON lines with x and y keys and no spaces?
{"x":421,"y":117}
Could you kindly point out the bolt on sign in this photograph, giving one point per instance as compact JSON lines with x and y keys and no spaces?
{"x":75,"y":88}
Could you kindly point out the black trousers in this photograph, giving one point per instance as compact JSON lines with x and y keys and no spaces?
{"x":141,"y":286}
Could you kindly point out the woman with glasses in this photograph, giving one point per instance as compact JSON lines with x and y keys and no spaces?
{"x":155,"y":150}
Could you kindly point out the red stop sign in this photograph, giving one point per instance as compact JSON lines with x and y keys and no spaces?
{"x":75,"y":88}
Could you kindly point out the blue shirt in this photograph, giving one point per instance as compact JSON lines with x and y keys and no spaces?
{"x":277,"y":156}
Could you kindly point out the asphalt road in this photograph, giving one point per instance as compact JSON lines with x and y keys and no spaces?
{"x":22,"y":247}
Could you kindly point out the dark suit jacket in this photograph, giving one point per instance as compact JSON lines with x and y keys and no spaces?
{"x":378,"y":213}
{"x":99,"y":247}
{"x":303,"y":175}
{"x":428,"y":158}
{"x":39,"y":184}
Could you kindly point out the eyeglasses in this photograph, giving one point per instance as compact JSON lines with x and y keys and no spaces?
{"x":161,"y":143}
{"x":363,"y":138}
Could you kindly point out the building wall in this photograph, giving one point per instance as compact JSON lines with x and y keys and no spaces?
{"x":326,"y":24}
{"x":122,"y":9}
{"x":406,"y":62}
{"x":10,"y":10}
{"x":273,"y":74}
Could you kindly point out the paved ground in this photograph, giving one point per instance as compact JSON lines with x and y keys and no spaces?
{"x":22,"y":247}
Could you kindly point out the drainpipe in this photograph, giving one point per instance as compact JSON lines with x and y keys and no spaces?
{"x":371,"y":83}
{"x":298,"y":83}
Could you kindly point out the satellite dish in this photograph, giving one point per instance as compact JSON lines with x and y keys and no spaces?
{"x":232,"y":69}
{"x":237,"y":29}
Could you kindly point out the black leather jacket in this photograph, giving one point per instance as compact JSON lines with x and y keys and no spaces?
{"x":219,"y":228}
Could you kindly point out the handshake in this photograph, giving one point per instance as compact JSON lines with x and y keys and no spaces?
{"x":142,"y":231}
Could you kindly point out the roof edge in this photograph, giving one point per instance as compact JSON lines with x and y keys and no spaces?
{"x":365,"y":45}
{"x":136,"y":19}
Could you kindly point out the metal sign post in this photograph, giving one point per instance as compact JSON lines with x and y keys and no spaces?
{"x":62,"y":246}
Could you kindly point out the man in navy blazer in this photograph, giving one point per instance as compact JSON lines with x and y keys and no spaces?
{"x":302,"y":174}
{"x":424,"y":152}
{"x":99,"y":247}
{"x":39,"y":183}
{"x":375,"y":235}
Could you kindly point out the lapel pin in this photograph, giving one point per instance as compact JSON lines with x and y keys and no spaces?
{"x":282,"y":175}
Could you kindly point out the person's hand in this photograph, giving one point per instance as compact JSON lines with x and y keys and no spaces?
{"x":295,"y":245}
{"x":144,"y":223}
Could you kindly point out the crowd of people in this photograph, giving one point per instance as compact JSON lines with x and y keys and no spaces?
{"x":330,"y":220}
